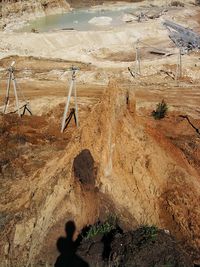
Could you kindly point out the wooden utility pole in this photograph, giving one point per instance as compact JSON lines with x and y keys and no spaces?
{"x":71,"y":89}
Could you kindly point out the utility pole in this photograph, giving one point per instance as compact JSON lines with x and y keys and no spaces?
{"x":75,"y":111}
{"x":137,"y":59}
{"x":179,"y":64}
{"x":137,"y":69}
{"x":11,"y":77}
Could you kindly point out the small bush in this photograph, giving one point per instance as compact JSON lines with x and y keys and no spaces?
{"x":150,"y":232}
{"x":177,"y":3}
{"x":101,"y":228}
{"x":147,"y":234}
{"x":34,"y":30}
{"x":160,"y":111}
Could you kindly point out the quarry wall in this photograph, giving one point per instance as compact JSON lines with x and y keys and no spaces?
{"x":17,"y":8}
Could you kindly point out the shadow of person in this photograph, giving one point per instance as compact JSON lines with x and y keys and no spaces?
{"x":67,"y":248}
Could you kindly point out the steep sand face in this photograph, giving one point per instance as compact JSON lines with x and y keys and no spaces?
{"x":85,"y":3}
{"x":144,"y":175}
{"x":113,"y":164}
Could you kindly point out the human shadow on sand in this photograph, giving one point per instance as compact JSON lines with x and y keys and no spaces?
{"x":67,"y":248}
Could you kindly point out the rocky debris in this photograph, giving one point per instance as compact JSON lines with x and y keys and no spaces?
{"x":18,"y":8}
{"x":154,"y":14}
{"x":150,"y":13}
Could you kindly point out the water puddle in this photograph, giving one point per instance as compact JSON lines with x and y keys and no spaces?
{"x":79,"y":19}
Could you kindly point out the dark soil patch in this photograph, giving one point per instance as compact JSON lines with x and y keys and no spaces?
{"x":144,"y":247}
{"x":84,"y":168}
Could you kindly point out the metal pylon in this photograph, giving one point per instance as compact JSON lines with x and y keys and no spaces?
{"x":72,"y":88}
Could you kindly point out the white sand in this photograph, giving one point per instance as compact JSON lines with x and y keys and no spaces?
{"x":100,"y":21}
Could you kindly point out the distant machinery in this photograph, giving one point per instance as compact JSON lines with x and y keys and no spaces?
{"x":182,"y":36}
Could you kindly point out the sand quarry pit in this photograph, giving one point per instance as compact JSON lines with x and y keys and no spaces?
{"x":119,"y":161}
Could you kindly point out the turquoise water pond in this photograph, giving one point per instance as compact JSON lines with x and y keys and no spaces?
{"x":77,"y":20}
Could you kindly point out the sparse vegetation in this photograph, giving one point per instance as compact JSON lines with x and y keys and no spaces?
{"x":101,"y":228}
{"x":34,"y":30}
{"x":160,"y":111}
{"x":177,"y":3}
{"x":149,"y":233}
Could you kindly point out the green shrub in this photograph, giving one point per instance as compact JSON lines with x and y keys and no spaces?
{"x":160,"y":111}
{"x":150,"y":232}
{"x":177,"y":3}
{"x":101,"y":228}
